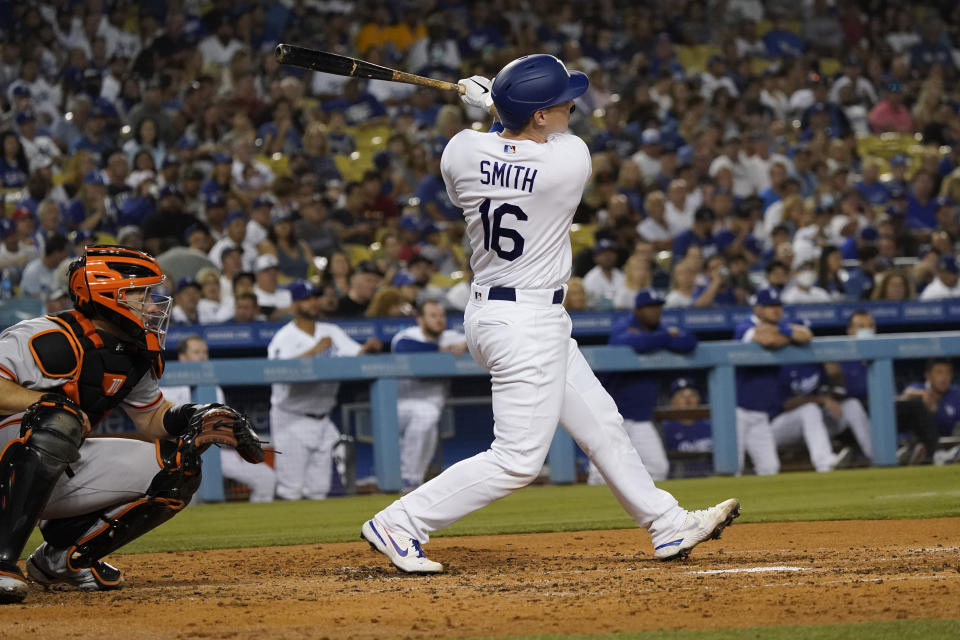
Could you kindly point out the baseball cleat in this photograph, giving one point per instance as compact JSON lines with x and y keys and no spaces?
{"x":13,"y":586}
{"x":48,"y":567}
{"x":406,"y":554}
{"x":705,"y":524}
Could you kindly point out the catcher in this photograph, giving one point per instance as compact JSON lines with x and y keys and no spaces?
{"x":61,"y":374}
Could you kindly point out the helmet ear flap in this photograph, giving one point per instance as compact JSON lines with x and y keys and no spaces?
{"x":77,"y":283}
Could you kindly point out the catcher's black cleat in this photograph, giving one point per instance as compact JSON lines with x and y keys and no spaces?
{"x":48,"y":566}
{"x":13,"y":586}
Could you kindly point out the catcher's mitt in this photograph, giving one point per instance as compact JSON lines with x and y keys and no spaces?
{"x":221,"y":425}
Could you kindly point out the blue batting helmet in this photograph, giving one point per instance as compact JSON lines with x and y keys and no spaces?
{"x":531,"y":83}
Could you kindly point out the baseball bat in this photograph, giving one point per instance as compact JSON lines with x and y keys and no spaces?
{"x":345,"y":66}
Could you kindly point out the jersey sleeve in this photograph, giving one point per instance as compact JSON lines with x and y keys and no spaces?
{"x":448,"y":162}
{"x":145,"y":396}
{"x":282,"y":347}
{"x":19,"y":361}
{"x":345,"y":345}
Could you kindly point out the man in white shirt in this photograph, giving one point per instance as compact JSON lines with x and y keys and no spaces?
{"x":803,"y":288}
{"x":648,"y":158}
{"x":947,"y":282}
{"x":655,"y":228}
{"x":14,"y":252}
{"x":40,"y":150}
{"x":38,"y":275}
{"x":273,"y":300}
{"x":680,"y":207}
{"x":732,"y":159}
{"x":603,"y":280}
{"x":300,"y":424}
{"x":259,"y":477}
{"x":219,"y":47}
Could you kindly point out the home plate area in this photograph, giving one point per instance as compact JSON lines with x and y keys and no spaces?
{"x":764,"y":574}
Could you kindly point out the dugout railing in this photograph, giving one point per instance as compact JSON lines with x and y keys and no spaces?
{"x":719,"y":359}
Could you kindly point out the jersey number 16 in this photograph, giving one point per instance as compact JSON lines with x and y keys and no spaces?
{"x":492,"y":234}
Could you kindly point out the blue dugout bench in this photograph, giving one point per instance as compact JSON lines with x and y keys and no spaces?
{"x":719,"y":359}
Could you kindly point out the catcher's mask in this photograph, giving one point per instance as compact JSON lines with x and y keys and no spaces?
{"x":119,"y":285}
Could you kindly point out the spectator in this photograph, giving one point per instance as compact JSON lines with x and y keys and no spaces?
{"x":700,"y":235}
{"x":212,"y":306}
{"x":758,"y":398}
{"x":655,"y":227}
{"x":185,"y":300}
{"x":604,"y":279}
{"x":830,"y":273}
{"x":165,"y":228}
{"x":803,"y":288}
{"x":890,"y":114}
{"x":246,"y":309}
{"x":388,"y":302}
{"x":636,"y":393}
{"x":947,"y":282}
{"x":38,"y":275}
{"x":636,"y":277}
{"x":293,"y":255}
{"x":682,"y":286}
{"x":234,"y":238}
{"x":273,"y":301}
{"x":921,"y":204}
{"x":576,"y":298}
{"x":894,"y":286}
{"x":364,"y":282}
{"x":15,"y":252}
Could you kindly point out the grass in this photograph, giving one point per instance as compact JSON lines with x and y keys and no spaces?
{"x":894,"y":630}
{"x":908,"y":492}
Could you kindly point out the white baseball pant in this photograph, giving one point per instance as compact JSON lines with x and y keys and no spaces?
{"x":646,"y":440}
{"x":856,"y":417}
{"x":806,"y":423}
{"x":539,"y":378}
{"x":304,"y":465}
{"x":419,"y":433}
{"x":261,"y":478}
{"x":755,"y":436}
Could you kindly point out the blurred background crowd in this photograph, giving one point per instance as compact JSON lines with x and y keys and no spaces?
{"x":808,"y":145}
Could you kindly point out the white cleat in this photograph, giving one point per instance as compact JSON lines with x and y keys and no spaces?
{"x":406,"y":554}
{"x":706,"y":524}
{"x":13,"y":586}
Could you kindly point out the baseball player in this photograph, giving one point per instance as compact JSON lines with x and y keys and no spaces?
{"x":518,"y":189}
{"x":259,"y":477}
{"x":803,"y":418}
{"x":421,"y":401}
{"x":636,"y":393}
{"x":300,"y":424}
{"x":758,"y":388}
{"x":59,"y":375}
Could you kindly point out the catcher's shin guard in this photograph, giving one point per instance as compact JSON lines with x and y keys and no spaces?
{"x":92,"y":536}
{"x":29,"y":468}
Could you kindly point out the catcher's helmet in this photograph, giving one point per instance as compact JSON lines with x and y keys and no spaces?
{"x":107,"y":281}
{"x":531,"y":83}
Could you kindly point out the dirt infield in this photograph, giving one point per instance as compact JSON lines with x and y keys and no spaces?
{"x":583,"y":582}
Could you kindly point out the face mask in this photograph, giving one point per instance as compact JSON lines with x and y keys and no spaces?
{"x":806,"y":279}
{"x":865,"y":333}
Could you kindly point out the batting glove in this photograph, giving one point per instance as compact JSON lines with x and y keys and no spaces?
{"x":477,"y":92}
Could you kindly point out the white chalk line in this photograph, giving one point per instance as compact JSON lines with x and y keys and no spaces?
{"x":748,"y":570}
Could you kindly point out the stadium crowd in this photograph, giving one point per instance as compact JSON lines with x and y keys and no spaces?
{"x":810,"y":146}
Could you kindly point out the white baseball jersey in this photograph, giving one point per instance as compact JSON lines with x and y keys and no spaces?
{"x":518,"y":201}
{"x":430,"y":390}
{"x":313,"y":398}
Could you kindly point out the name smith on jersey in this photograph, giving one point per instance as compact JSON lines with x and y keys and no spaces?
{"x":511,"y":176}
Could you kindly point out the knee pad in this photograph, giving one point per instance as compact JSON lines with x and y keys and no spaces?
{"x":92,"y":536}
{"x":29,"y":469}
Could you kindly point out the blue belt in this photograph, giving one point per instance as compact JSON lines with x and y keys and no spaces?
{"x":510,"y":294}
